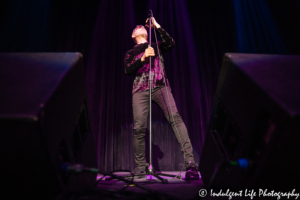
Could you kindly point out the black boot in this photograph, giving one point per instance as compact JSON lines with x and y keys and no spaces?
{"x":139,"y":172}
{"x":191,"y":171}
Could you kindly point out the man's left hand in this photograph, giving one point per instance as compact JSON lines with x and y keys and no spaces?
{"x":153,"y":23}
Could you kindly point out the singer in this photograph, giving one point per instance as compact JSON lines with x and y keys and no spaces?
{"x":136,"y":63}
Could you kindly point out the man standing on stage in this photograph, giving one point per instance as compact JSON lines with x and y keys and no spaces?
{"x":136,"y":63}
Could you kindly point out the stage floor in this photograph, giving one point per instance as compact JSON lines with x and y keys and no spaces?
{"x":174,"y":189}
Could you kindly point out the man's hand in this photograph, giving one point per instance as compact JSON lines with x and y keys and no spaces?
{"x":148,"y":52}
{"x":153,"y":23}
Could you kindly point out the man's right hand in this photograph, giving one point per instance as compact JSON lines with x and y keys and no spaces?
{"x":148,"y":52}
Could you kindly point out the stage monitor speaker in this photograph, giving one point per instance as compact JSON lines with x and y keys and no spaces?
{"x":43,"y":124}
{"x":255,"y":115}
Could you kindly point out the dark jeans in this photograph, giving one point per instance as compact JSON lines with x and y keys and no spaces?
{"x":140,"y":105}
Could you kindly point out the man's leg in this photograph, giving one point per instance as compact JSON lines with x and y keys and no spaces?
{"x":164,"y":98}
{"x":140,"y":105}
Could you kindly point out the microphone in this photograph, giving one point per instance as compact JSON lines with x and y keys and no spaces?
{"x":149,"y":19}
{"x":150,"y":13}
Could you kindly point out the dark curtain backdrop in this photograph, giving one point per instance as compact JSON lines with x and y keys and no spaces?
{"x":101,"y":31}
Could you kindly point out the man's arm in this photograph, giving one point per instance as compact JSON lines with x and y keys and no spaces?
{"x":131,"y":66}
{"x":167,"y":42}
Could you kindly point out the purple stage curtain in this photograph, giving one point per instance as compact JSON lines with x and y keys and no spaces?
{"x":109,"y":89}
{"x":101,"y":30}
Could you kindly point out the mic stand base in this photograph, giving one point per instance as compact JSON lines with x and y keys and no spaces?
{"x":151,"y":171}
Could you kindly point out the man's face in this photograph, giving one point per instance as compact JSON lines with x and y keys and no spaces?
{"x":139,"y":30}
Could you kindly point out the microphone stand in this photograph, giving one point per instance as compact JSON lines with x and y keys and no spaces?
{"x":149,"y":168}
